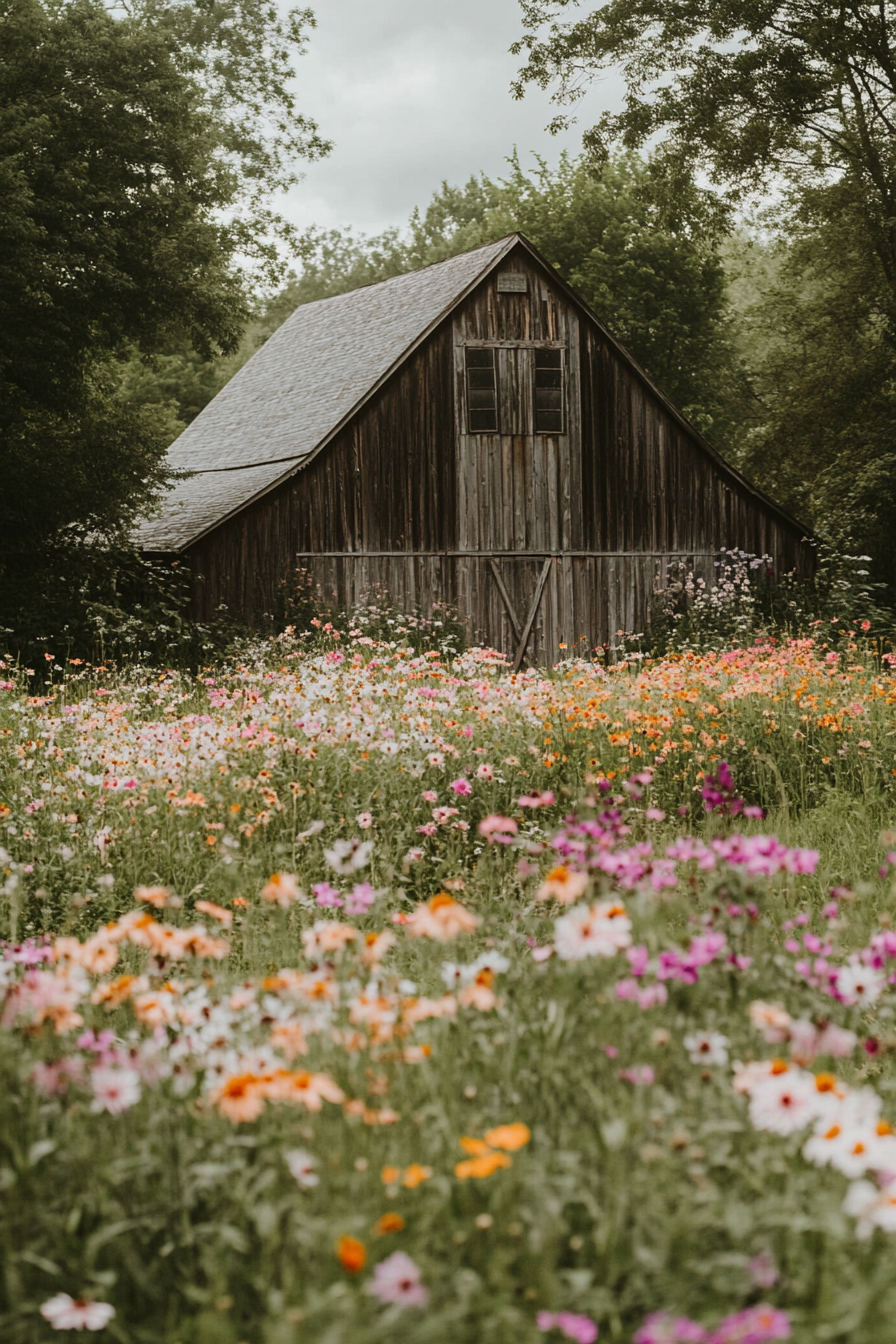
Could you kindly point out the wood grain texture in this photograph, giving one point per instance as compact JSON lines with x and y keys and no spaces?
{"x":405,"y":500}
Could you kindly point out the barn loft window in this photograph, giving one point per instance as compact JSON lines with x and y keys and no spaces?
{"x":482,"y":391}
{"x":548,"y":391}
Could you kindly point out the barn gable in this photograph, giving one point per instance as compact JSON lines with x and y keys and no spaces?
{"x":492,"y":447}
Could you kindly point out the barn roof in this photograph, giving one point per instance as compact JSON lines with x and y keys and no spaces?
{"x":312,"y":375}
{"x":316,"y":370}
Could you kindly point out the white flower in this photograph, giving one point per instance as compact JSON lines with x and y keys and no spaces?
{"x":783,"y":1102}
{"x":598,"y":930}
{"x":364,"y":820}
{"x":858,"y":984}
{"x":65,"y":1313}
{"x":347,"y":856}
{"x":114,"y":1090}
{"x":707,"y":1047}
{"x":301,"y":1165}
{"x":871,"y":1207}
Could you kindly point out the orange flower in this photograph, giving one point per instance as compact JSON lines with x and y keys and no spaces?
{"x":562,"y":884}
{"x":442,"y":919}
{"x":475,"y":1147}
{"x":281,"y":889}
{"x":480,"y":1167}
{"x":391,"y":1175}
{"x":217,"y":912}
{"x":352,"y":1254}
{"x":390,"y":1222}
{"x":241,"y":1097}
{"x":155,"y":896}
{"x":509,"y":1137}
{"x":415,"y":1175}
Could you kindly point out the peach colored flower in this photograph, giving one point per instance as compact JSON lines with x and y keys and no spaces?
{"x":154,"y":896}
{"x":241,"y":1097}
{"x":217,"y":912}
{"x":441,"y":918}
{"x":281,"y":889}
{"x":562,"y":884}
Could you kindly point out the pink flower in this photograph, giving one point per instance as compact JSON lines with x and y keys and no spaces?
{"x":485,"y":772}
{"x":397,"y":1280}
{"x":580,"y":1329}
{"x":360,"y":899}
{"x":114,"y":1090}
{"x":655,"y":814}
{"x":67,"y":1313}
{"x":463,"y":787}
{"x":545,"y":799}
{"x":325,"y":895}
{"x":500,"y":829}
{"x":429,"y":795}
{"x":428,"y":828}
{"x":755,"y":1325}
{"x":663,"y":1328}
{"x":364,"y":820}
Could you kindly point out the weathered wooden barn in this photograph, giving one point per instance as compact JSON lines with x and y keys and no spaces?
{"x":468,"y":433}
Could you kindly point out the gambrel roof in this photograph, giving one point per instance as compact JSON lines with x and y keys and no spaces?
{"x":293,"y":395}
{"x":315,"y":372}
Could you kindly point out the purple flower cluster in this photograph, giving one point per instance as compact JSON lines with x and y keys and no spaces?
{"x":720,"y":795}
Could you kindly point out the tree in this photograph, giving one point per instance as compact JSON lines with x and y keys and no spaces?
{"x":134,"y":154}
{"x":747,"y":90}
{"x":657,"y":283}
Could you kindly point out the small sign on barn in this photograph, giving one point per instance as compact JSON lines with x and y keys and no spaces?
{"x":468,"y":434}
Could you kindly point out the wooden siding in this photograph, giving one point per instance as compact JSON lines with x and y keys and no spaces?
{"x":625,"y":493}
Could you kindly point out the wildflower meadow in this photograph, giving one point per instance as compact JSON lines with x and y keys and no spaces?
{"x":364,"y":990}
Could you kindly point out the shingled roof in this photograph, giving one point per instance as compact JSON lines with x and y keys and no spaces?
{"x":299,"y":389}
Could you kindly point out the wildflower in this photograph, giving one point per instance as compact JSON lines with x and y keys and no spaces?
{"x":562,"y":884}
{"x":763,"y":1270}
{"x":871,"y":1207}
{"x":154,"y":896}
{"x":347,"y":856}
{"x":753,"y":1325}
{"x":545,"y":799}
{"x":326,"y":895}
{"x":598,"y":930}
{"x":707,"y":1047}
{"x":114,"y":1089}
{"x":784,"y":1102}
{"x":352,"y":1254}
{"x":415,"y":1175}
{"x":214,"y":911}
{"x":580,"y":1329}
{"x":360,"y":898}
{"x":462,"y":787}
{"x":485,"y":772}
{"x":388,"y":1223}
{"x":859,"y":985}
{"x":364,"y":820}
{"x":771,"y":1020}
{"x":510,"y":1137}
{"x":496,"y":828}
{"x":481,"y":1166}
{"x":281,"y":889}
{"x":68,"y":1313}
{"x":240,"y":1098}
{"x":301,"y":1165}
{"x":441,"y":918}
{"x":396,"y":1281}
{"x":327,"y":935}
{"x":663,"y":1328}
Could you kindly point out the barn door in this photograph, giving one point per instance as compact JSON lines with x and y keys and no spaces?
{"x":521,"y":631}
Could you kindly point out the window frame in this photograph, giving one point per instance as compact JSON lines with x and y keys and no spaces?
{"x":557,"y":366}
{"x":476,"y":365}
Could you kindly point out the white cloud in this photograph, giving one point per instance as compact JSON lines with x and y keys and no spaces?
{"x":414,"y":92}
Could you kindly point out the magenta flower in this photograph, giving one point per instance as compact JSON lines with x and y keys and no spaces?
{"x":661,"y":1327}
{"x":463,"y":787}
{"x":754,"y":1325}
{"x":580,"y":1329}
{"x":396,"y":1281}
{"x":324,"y":894}
{"x":360,"y":899}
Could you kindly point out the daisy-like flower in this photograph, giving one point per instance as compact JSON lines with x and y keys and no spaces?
{"x":598,"y":930}
{"x":281,"y":889}
{"x":301,"y":1165}
{"x":871,"y":1207}
{"x":69,"y":1313}
{"x":347,"y":856}
{"x":782,"y":1103}
{"x":707,"y":1047}
{"x":114,"y":1090}
{"x":364,"y":820}
{"x":858,"y":985}
{"x":562,"y":884}
{"x":441,"y":918}
{"x":397,"y":1281}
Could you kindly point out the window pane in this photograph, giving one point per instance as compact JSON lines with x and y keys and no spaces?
{"x":548,"y":359}
{"x":482,"y":391}
{"x":549,"y":399}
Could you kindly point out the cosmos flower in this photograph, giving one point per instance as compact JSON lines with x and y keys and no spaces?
{"x":707,"y":1047}
{"x":68,"y":1313}
{"x":397,"y":1281}
{"x":301,"y":1166}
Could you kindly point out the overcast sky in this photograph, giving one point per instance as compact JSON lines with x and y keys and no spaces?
{"x":411,"y":92}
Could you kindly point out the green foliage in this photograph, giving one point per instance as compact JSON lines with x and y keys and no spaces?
{"x":653,"y":278}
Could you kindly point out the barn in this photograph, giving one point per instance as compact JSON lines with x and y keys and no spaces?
{"x":468,"y":434}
